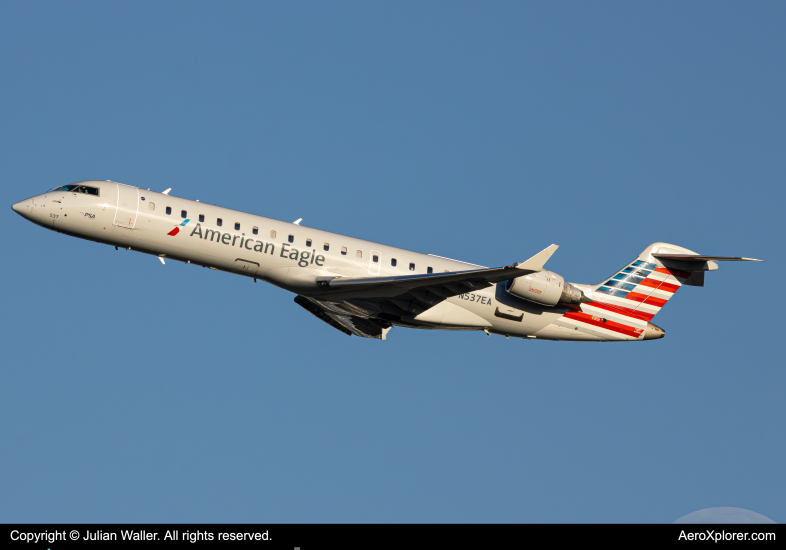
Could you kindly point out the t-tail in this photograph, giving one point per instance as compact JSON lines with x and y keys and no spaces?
{"x":623,"y":306}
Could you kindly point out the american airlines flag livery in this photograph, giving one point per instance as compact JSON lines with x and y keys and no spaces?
{"x":365,"y":288}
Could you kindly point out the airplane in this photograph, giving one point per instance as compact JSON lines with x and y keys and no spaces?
{"x":365,"y":288}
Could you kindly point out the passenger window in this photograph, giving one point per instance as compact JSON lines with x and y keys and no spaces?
{"x":183,"y":214}
{"x":326,"y":246}
{"x":308,"y":243}
{"x":359,"y":254}
{"x":429,"y":270}
{"x":344,"y":250}
{"x":291,"y":238}
{"x":219,"y":222}
{"x":392,"y":261}
{"x":412,"y":267}
{"x":237,"y":227}
{"x":375,"y":258}
{"x":151,"y":206}
{"x":255,"y":230}
{"x":202,"y":217}
{"x":168,"y":210}
{"x":272,"y":234}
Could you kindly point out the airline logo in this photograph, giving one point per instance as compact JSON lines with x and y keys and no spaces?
{"x":632,"y":297}
{"x":176,"y":230}
{"x":643,"y":288}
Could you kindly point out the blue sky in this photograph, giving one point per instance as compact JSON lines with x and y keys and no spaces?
{"x":132,"y":391}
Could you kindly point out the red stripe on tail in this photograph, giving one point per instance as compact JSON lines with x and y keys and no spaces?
{"x":636,"y":297}
{"x":660,"y":285}
{"x":655,"y":301}
{"x":643,"y":315}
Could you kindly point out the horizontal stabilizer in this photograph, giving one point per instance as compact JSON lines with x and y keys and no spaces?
{"x":699,"y":258}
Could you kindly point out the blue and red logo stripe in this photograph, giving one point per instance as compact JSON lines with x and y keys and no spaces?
{"x":176,"y":230}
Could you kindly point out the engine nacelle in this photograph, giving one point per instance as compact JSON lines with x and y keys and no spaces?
{"x":545,"y":287}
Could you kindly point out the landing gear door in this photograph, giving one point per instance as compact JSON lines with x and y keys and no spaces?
{"x":127,"y":206}
{"x":246,"y":267}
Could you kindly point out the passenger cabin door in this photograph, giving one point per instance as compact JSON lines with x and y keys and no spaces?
{"x":127,"y":206}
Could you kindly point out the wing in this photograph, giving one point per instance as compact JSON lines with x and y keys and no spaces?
{"x":348,"y":324}
{"x":406,"y":296}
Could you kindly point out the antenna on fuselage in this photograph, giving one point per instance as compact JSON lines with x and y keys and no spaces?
{"x":167,"y":191}
{"x":297,"y":221}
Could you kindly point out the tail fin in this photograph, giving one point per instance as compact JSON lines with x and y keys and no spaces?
{"x":623,"y":305}
{"x":646,"y":284}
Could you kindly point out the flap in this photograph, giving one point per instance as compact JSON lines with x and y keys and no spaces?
{"x":348,"y":324}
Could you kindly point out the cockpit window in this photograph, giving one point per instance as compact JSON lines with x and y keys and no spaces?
{"x":87,"y":190}
{"x":65,"y":188}
{"x":74,"y":188}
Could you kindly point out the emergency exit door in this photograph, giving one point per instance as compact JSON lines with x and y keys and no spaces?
{"x":374,"y":262}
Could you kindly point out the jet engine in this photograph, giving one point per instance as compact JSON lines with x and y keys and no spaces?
{"x":545,"y":287}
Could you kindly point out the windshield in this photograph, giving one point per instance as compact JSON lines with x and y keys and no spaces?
{"x":76,"y":188}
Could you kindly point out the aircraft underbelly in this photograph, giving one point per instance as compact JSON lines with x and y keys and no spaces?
{"x":556,"y":331}
{"x":451,"y":315}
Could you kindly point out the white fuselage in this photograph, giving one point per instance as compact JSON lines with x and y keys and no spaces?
{"x":285,"y":254}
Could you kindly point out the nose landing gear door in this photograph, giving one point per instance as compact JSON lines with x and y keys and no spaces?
{"x":127,"y":206}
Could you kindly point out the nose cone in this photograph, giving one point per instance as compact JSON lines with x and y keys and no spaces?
{"x":19,"y":208}
{"x":653,"y":332}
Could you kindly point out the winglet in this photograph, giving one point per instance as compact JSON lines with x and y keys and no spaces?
{"x":537,"y":262}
